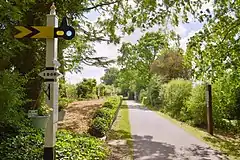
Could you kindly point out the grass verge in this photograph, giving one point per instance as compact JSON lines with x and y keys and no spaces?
{"x":227,"y":144}
{"x":119,"y":138}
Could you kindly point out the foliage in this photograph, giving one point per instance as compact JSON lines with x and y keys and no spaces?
{"x":44,"y":110}
{"x":99,"y":127}
{"x":87,"y":88}
{"x":109,"y":90}
{"x":104,"y":117}
{"x":67,"y":90}
{"x":225,"y":102}
{"x":175,"y":94}
{"x":170,"y":65}
{"x":29,"y":143}
{"x":137,"y":58}
{"x":226,"y":95}
{"x":213,"y":51}
{"x":11,"y":97}
{"x":195,"y":110}
{"x":101,"y":89}
{"x":27,"y":56}
{"x":108,"y":105}
{"x":114,"y":100}
{"x":143,"y":97}
{"x":110,"y":76}
{"x":104,"y":113}
{"x":74,"y":146}
{"x":63,"y":103}
{"x":155,"y":91}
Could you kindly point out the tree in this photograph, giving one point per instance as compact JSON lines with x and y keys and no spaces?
{"x":27,"y":56}
{"x":170,"y":65}
{"x":137,"y":58}
{"x":87,"y":88}
{"x":110,"y":76}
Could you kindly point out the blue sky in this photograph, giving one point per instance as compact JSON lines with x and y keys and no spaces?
{"x":111,"y":51}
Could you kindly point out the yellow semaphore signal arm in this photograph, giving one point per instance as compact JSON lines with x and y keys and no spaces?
{"x":35,"y":32}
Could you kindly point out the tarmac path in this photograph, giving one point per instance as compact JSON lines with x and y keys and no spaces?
{"x":156,"y":138}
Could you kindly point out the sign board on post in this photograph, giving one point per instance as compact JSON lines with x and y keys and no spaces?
{"x":50,"y":74}
{"x":51,"y":32}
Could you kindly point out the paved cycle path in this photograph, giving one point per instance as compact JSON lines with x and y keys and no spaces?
{"x":156,"y":138}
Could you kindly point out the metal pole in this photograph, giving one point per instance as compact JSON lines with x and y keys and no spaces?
{"x":52,"y":85}
{"x":209,"y":108}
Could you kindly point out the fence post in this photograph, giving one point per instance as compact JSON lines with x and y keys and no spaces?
{"x":209,"y":108}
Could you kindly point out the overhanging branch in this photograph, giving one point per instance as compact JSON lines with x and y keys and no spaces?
{"x":100,"y":5}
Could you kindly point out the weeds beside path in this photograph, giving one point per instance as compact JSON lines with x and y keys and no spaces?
{"x":119,"y":138}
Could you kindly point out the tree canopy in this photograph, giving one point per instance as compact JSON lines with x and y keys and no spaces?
{"x":170,"y":65}
{"x":110,"y":76}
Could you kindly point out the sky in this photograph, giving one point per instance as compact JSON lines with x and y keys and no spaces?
{"x":111,"y":50}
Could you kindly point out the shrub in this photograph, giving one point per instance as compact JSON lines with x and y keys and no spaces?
{"x":175,"y":95}
{"x":99,"y":127}
{"x":104,"y":117}
{"x":155,"y":92}
{"x":225,"y":102}
{"x":28,"y":145}
{"x":103,"y":113}
{"x":108,"y":105}
{"x":114,"y":101}
{"x":11,"y":97}
{"x":142,"y":95}
{"x":72,"y":146}
{"x":196,"y":107}
{"x":63,"y":102}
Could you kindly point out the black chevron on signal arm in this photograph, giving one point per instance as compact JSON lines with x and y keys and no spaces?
{"x":34,"y":31}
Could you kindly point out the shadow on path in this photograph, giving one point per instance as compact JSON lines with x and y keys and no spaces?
{"x":137,"y":107}
{"x":146,"y":149}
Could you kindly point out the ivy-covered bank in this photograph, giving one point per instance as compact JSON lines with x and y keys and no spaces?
{"x":28,"y":144}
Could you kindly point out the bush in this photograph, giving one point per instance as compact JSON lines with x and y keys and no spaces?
{"x":104,"y":117}
{"x":175,"y":95}
{"x":63,"y":103}
{"x":155,"y":92}
{"x":28,"y":145}
{"x":11,"y":97}
{"x":108,"y":105}
{"x":99,"y":127}
{"x":142,"y":95}
{"x":72,"y":146}
{"x":114,"y":101}
{"x":104,"y":113}
{"x":225,"y":102}
{"x":196,"y":107}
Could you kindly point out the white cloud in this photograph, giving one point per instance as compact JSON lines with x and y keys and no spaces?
{"x":181,"y":30}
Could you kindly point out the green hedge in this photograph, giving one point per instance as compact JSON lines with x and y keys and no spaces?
{"x":104,"y":117}
{"x":175,"y":95}
{"x":99,"y":127}
{"x":196,"y":112}
{"x":29,"y":143}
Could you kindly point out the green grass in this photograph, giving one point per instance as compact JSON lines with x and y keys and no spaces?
{"x":227,"y":144}
{"x":121,"y":130}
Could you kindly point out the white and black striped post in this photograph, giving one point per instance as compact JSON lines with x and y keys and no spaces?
{"x":51,"y":84}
